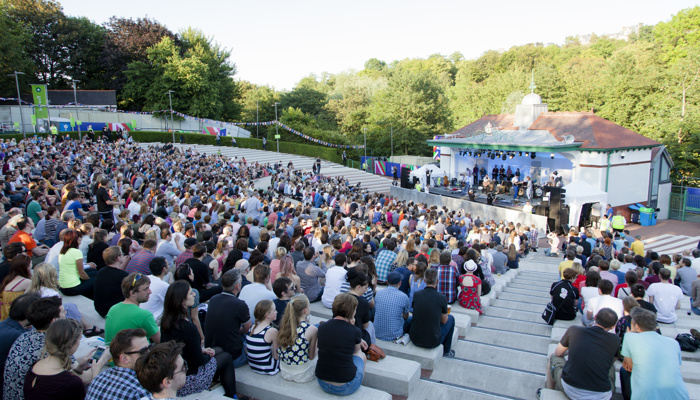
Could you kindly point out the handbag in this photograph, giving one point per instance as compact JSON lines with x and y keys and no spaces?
{"x":374,"y":353}
{"x":687,"y":342}
{"x":548,"y":315}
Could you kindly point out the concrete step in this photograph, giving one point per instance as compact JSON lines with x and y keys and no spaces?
{"x":393,"y":375}
{"x":511,"y":340}
{"x":516,"y":305}
{"x":534,"y":292}
{"x":436,"y":390}
{"x":487,"y":377}
{"x":517,"y":315}
{"x":505,"y":324}
{"x":520,"y":298}
{"x":511,"y":358}
{"x":535,"y":282}
{"x":522,"y":285}
{"x":427,"y":358}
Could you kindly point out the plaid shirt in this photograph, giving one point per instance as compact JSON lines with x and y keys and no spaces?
{"x":116,"y":384}
{"x":533,"y":238}
{"x":383,"y":264}
{"x":184,"y":256}
{"x":390,"y":305}
{"x":447,"y":282}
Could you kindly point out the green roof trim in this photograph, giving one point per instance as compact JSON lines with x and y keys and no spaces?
{"x":507,"y":147}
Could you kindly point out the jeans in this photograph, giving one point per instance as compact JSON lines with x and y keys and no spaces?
{"x":550,"y":253}
{"x":446,"y":331}
{"x":242,"y":360}
{"x":347,"y":388}
{"x":694,"y":309}
{"x":85,"y":288}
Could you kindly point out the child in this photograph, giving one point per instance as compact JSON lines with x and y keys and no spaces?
{"x":261,"y":342}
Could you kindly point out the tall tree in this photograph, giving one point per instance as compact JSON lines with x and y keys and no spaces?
{"x":14,"y":38}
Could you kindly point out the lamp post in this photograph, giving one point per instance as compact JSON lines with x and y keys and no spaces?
{"x":277,"y":133}
{"x":19,"y":101}
{"x":391,"y":127}
{"x":364,"y":131}
{"x":75,"y":97}
{"x":172,"y":125}
{"x":257,"y":120}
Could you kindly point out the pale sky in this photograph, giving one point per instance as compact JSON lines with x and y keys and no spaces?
{"x":277,"y":43}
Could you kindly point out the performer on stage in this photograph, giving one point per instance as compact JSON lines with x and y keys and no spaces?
{"x":514,"y":182}
{"x":494,"y":173}
{"x":528,"y":190}
{"x":475,"y":175}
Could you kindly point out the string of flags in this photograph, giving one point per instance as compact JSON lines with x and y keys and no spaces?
{"x":203,"y":120}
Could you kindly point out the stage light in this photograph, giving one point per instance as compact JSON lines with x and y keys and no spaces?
{"x":520,"y":153}
{"x":551,"y":156}
{"x":511,"y":156}
{"x":533,"y":155}
{"x":493,"y":156}
{"x":527,"y":154}
{"x":503,"y":157}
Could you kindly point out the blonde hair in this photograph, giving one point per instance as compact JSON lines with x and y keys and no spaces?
{"x":292,"y":314}
{"x":280,"y":252}
{"x":61,"y":336}
{"x":401,"y":259}
{"x":45,"y":275}
{"x":434,"y":257}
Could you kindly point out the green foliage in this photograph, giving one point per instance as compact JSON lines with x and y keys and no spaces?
{"x":14,"y":37}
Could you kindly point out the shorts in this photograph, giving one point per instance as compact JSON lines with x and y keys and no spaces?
{"x":556,"y":366}
{"x":349,"y":388}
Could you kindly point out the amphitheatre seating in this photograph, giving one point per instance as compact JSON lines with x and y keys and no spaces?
{"x":86,"y":308}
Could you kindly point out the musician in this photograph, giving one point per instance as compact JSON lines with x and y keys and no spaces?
{"x":517,"y":173}
{"x":514,"y":182}
{"x":502,"y":173}
{"x":528,"y":190}
{"x":475,"y":175}
{"x":482,"y":172}
{"x":486,"y":184}
{"x":509,"y":173}
{"x":494,"y":173}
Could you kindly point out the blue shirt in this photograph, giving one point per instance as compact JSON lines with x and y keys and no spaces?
{"x":116,"y":384}
{"x":383,"y":264}
{"x":10,"y":330}
{"x":390,"y":305}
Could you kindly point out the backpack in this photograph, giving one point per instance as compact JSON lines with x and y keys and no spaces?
{"x":687,"y":342}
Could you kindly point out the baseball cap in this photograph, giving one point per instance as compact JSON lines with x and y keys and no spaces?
{"x":393,"y":278}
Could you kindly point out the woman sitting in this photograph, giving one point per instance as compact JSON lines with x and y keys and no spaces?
{"x":287,"y":270}
{"x":565,"y":296}
{"x":297,"y":341}
{"x":341,"y":362}
{"x":416,"y":281}
{"x":275,"y":264}
{"x":99,"y":244}
{"x":513,"y":257}
{"x":74,"y":278}
{"x":261,"y":340}
{"x":15,"y":283}
{"x":470,"y":289}
{"x":202,"y":363}
{"x":54,"y":374}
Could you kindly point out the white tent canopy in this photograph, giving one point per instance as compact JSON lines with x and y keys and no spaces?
{"x":579,"y":193}
{"x":435,"y":172}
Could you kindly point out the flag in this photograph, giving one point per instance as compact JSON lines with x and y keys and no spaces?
{"x":222,"y":132}
{"x":41,"y":101}
{"x":114,"y":126}
{"x":210,"y":130}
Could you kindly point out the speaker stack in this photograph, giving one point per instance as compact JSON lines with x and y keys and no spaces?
{"x":405,"y":175}
{"x":558,"y":213}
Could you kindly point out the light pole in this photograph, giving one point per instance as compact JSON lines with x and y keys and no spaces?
{"x":75,"y":97}
{"x":19,"y":101}
{"x":277,"y":133}
{"x":391,"y":127}
{"x":364,"y":130}
{"x":257,"y":120}
{"x":172,"y":124}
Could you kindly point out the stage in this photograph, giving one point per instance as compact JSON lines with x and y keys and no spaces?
{"x":504,"y":200}
{"x":454,"y":200}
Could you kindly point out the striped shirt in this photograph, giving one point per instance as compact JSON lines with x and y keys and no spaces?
{"x":259,"y":353}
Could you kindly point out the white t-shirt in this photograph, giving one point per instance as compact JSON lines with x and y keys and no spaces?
{"x":335,"y":277}
{"x":666,"y":297}
{"x":605,"y":301}
{"x":157,"y":297}
{"x":253,"y":294}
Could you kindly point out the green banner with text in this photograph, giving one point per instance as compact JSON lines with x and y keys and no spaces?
{"x":41,"y":101}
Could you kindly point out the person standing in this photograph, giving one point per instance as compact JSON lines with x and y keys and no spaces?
{"x":345,"y":159}
{"x":618,"y":222}
{"x":105,"y":204}
{"x":264,"y":143}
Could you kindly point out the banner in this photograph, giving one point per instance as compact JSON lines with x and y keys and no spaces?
{"x":41,"y":101}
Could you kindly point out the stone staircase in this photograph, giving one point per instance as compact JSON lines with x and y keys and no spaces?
{"x":371,"y":182}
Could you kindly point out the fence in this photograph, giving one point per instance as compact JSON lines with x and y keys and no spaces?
{"x":684,"y":204}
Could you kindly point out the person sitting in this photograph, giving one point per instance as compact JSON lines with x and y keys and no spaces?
{"x":310,"y":275}
{"x":686,"y":275}
{"x":120,"y":382}
{"x":201,"y":273}
{"x":448,"y":277}
{"x":470,"y":285}
{"x":139,"y":262}
{"x":203,"y":363}
{"x":14,"y":326}
{"x":335,"y":277}
{"x":565,"y":296}
{"x":162,"y":370}
{"x":341,"y":362}
{"x":605,"y":273}
{"x":647,"y":357}
{"x":26,"y":350}
{"x":666,"y":297}
{"x":589,"y":371}
{"x":257,"y":291}
{"x":158,"y":287}
{"x":392,"y":308}
{"x":108,"y":282}
{"x":75,"y":279}
{"x":570,"y":257}
{"x":15,"y":283}
{"x":359,"y":283}
{"x":128,"y":314}
{"x":55,"y":374}
{"x":228,"y":319}
{"x":431,"y":325}
{"x":284,"y":290}
{"x":500,"y":259}
{"x":97,"y":248}
{"x":261,"y":341}
{"x":604,"y":300}
{"x":296,"y":341}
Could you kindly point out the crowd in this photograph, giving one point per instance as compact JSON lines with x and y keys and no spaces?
{"x":197,"y":272}
{"x":616,"y":286}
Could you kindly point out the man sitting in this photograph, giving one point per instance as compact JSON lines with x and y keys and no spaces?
{"x":158,"y":287}
{"x":447,"y":277}
{"x":589,"y":371}
{"x":384,"y":260}
{"x":391,"y":310}
{"x":120,"y":382}
{"x":257,"y":291}
{"x":605,"y":300}
{"x":666,"y":297}
{"x":139,"y":262}
{"x":651,"y":360}
{"x":108,"y":283}
{"x":128,"y":314}
{"x":162,"y":371}
{"x":431,"y":325}
{"x":570,"y":257}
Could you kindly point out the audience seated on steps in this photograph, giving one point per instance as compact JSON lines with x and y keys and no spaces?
{"x":392,"y":310}
{"x":15,"y":325}
{"x":158,"y":287}
{"x":297,"y":340}
{"x":108,"y":282}
{"x":162,"y":370}
{"x":565,"y":296}
{"x":128,"y":314}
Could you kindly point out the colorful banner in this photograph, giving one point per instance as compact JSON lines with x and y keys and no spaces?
{"x":436,"y":149}
{"x":114,"y":126}
{"x":41,"y":101}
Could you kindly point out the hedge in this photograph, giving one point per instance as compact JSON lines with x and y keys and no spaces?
{"x":326,"y":153}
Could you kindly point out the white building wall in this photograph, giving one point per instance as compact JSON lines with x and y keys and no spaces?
{"x":664,"y":200}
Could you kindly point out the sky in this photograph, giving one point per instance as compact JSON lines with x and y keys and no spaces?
{"x":277,"y":43}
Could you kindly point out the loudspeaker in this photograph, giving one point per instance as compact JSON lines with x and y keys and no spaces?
{"x":542,"y":210}
{"x":405,"y":178}
{"x":551,"y":224}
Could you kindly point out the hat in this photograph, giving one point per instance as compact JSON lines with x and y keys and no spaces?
{"x":421,"y":218}
{"x":393,"y":278}
{"x":470,"y":266}
{"x":174,"y":216}
{"x":189,"y":242}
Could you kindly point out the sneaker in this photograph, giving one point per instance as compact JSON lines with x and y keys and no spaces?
{"x":538,"y":394}
{"x":404,"y":340}
{"x":695,"y":333}
{"x":449,"y":354}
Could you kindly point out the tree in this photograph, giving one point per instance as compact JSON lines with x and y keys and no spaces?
{"x":679,"y":34}
{"x":13,"y":40}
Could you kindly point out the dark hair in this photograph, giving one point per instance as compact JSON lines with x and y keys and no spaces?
{"x":645,"y":319}
{"x":199,"y":250}
{"x":19,"y":266}
{"x":121,"y":342}
{"x":340,"y":259}
{"x":592,"y":278}
{"x":638,"y":290}
{"x":156,"y":265}
{"x":606,"y":317}
{"x":70,"y":240}
{"x":605,"y":286}
{"x":260,"y":273}
{"x":430,"y":276}
{"x":569,"y":274}
{"x":664,"y":274}
{"x":43,"y":311}
{"x":12,"y":249}
{"x":125,"y":244}
{"x":344,"y":305}
{"x":309,"y":253}
{"x":158,"y":364}
{"x":233,"y":256}
{"x":131,"y":284}
{"x":631,"y":278}
{"x":182,"y":273}
{"x":356,"y":278}
{"x":280,"y":286}
{"x":174,"y":311}
{"x":20,"y":306}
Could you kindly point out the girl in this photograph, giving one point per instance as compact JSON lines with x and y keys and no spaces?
{"x":15,"y":283}
{"x":297,"y":341}
{"x":261,"y":342}
{"x":470,"y":285}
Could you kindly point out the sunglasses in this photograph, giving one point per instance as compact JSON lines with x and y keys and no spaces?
{"x":137,"y":277}
{"x":142,"y":351}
